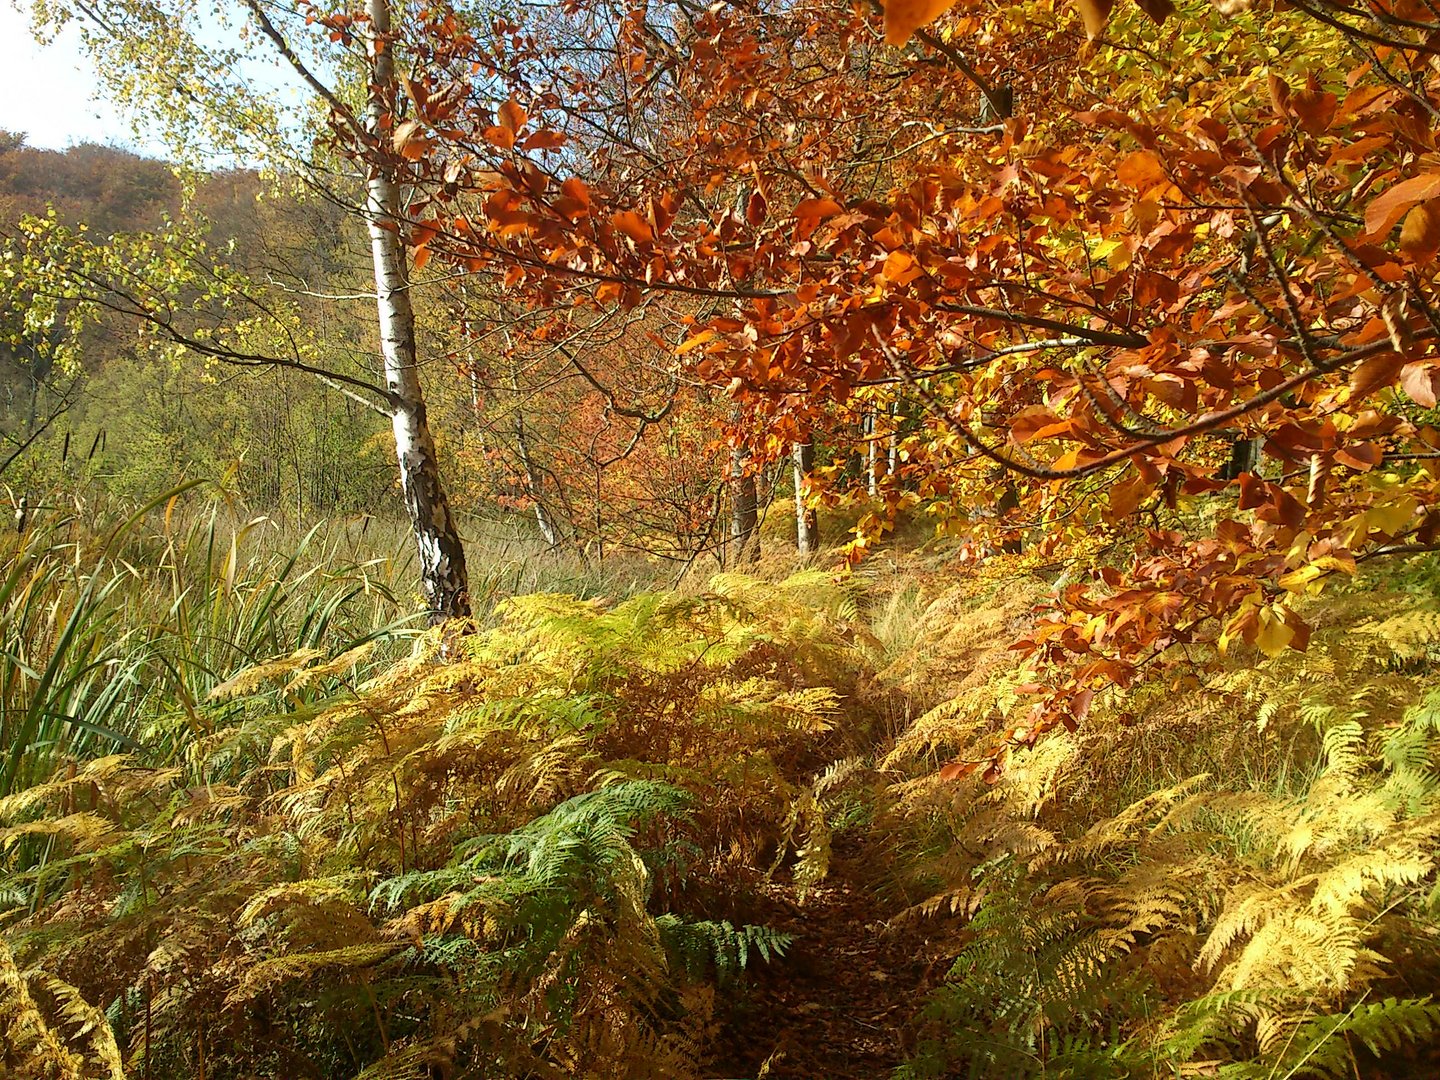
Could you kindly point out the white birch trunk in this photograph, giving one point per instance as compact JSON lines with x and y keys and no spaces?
{"x":534,"y":482}
{"x":442,"y":556}
{"x":894,"y":453}
{"x":872,"y":455}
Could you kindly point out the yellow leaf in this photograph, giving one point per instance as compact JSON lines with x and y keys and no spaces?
{"x":904,"y":17}
{"x":1273,"y":636}
{"x":1391,"y":518}
{"x":1299,"y":581}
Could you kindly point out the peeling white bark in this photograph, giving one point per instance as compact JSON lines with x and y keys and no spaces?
{"x":442,"y":555}
{"x":744,"y":510}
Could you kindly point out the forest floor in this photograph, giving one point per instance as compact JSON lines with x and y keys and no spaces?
{"x":841,"y":1003}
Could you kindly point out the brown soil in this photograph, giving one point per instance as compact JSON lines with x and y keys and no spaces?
{"x":841,"y":1004}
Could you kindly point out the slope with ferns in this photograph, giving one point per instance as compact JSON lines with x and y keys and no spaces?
{"x":704,"y":835}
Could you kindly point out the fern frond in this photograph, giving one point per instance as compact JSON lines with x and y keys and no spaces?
{"x":705,"y":947}
{"x":27,"y":1044}
{"x":253,"y":678}
{"x":264,"y":976}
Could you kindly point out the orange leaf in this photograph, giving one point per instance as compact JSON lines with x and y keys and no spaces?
{"x":956,"y":770}
{"x":410,"y":140}
{"x":695,"y":342}
{"x":422,"y":232}
{"x":511,"y":116}
{"x":1314,"y":107}
{"x":1028,"y":422}
{"x":1140,"y":170}
{"x":904,"y":17}
{"x":500,"y":136}
{"x":1420,"y":235}
{"x":576,"y":189}
{"x":545,"y":140}
{"x":816,"y":209}
{"x":1384,"y":211}
{"x":422,"y":256}
{"x":897,"y":264}
{"x":1125,"y":497}
{"x":1094,"y":13}
{"x":633,"y":225}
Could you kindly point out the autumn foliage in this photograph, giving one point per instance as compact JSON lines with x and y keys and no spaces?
{"x":1111,"y":277}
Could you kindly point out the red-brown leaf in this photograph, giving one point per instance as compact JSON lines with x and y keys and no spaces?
{"x":1375,"y":373}
{"x":1384,"y":211}
{"x":1420,"y":235}
{"x":1419,"y":381}
{"x":633,"y":225}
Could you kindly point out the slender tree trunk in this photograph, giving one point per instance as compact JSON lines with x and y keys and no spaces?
{"x":872,"y":455}
{"x":894,"y":449}
{"x":442,"y":556}
{"x":33,"y":411}
{"x":534,"y":482}
{"x":744,"y":509}
{"x":807,"y":525}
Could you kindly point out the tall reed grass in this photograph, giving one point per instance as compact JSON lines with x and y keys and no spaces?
{"x":116,"y":622}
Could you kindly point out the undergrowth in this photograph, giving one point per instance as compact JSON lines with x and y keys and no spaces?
{"x":1230,"y":871}
{"x":547,"y":846}
{"x":506,"y":864}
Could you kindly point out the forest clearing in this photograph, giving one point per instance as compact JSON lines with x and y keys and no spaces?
{"x":761,"y":539}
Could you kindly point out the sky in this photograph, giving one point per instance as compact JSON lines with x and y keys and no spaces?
{"x":48,"y":91}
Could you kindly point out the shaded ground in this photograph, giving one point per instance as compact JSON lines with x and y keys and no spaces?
{"x":841,"y":1003}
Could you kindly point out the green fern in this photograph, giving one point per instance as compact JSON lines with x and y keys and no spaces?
{"x":700,"y":949}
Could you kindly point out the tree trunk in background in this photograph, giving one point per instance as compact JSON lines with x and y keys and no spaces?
{"x":744,"y":510}
{"x":442,"y":556}
{"x":534,"y":482}
{"x":872,"y":455}
{"x":807,"y":525}
{"x":894,"y":451}
{"x":1244,"y":457}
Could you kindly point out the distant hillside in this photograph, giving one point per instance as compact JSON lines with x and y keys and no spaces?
{"x":138,"y":423}
{"x":106,"y":188}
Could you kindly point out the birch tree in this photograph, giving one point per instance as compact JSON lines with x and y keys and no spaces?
{"x":214,"y":84}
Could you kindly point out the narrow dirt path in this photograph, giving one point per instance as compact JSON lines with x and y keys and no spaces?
{"x":842,"y":1002}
